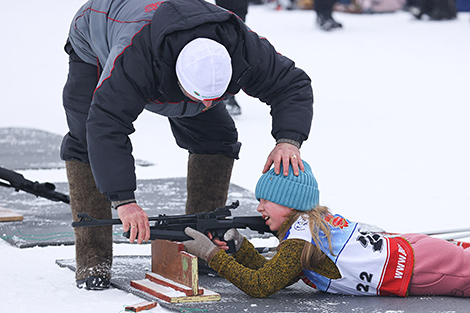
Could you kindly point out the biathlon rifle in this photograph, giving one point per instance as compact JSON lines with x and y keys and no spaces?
{"x":12,"y":179}
{"x":171,"y":227}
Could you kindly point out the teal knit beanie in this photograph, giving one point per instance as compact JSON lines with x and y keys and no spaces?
{"x":296,"y":192}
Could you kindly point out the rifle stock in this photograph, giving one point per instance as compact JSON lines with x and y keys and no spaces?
{"x":18,"y":182}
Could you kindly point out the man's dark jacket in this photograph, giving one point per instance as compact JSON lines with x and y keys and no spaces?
{"x":136,"y":44}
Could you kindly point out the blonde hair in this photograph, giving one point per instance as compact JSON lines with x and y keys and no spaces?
{"x":311,"y":254}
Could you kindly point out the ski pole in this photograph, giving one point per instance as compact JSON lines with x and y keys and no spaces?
{"x":443,"y":232}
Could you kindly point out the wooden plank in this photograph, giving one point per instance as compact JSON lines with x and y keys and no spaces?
{"x":172,"y":284}
{"x":190,"y":267}
{"x":170,"y":295}
{"x":141,"y":306}
{"x":158,"y":291}
{"x":171,"y":261}
{"x":9,"y":216}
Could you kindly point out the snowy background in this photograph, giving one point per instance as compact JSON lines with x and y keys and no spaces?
{"x":388,"y":145}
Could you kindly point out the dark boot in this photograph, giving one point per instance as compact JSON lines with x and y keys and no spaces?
{"x":326,"y":22}
{"x":93,"y":245}
{"x":207,"y":182}
{"x":232,"y":106}
{"x":207,"y":187}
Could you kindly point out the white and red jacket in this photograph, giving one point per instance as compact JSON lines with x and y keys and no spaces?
{"x":370,"y":263}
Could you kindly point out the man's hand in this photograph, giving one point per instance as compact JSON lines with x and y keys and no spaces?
{"x":284,"y":153}
{"x":133,"y":216}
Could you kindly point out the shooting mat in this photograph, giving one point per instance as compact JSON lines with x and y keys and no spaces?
{"x":27,"y":148}
{"x":296,"y":298}
{"x":49,"y":223}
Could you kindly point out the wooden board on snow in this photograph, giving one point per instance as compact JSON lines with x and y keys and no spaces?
{"x":141,"y":306}
{"x":171,"y":295}
{"x":9,"y":216}
{"x":158,"y":279}
{"x":171,"y":261}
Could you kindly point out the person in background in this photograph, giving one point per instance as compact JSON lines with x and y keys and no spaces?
{"x":329,"y":252}
{"x":436,"y":10}
{"x":179,"y":59}
{"x":324,"y":12}
{"x":240,"y":8}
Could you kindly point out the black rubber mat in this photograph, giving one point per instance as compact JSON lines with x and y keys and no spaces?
{"x":47,"y":222}
{"x":297,"y":298}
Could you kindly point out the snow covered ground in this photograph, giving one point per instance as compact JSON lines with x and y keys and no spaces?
{"x":388,"y":142}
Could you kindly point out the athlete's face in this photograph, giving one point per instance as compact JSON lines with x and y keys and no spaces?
{"x":274,"y":214}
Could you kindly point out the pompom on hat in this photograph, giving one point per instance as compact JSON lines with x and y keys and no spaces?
{"x":296,"y":192}
{"x":204,"y":69}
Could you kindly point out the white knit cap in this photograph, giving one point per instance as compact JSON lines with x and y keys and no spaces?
{"x":204,"y":69}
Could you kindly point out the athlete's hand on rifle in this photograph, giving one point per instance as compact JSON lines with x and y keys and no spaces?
{"x":231,"y":235}
{"x":133,"y":216}
{"x":201,"y":246}
{"x":284,"y":153}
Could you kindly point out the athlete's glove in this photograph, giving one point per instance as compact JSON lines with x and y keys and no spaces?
{"x":233,"y":235}
{"x":201,"y":246}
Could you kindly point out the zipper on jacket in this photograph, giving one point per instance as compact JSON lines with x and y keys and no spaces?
{"x":243,"y":74}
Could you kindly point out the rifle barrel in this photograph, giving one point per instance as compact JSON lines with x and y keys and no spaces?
{"x":18,"y":182}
